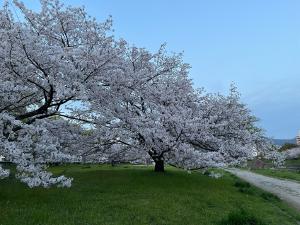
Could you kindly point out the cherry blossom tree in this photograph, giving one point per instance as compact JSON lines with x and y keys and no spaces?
{"x":156,"y":111}
{"x":139,"y":100}
{"x":48,"y":60}
{"x":71,"y":92}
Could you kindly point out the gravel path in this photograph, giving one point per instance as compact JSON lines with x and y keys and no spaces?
{"x":287,"y":190}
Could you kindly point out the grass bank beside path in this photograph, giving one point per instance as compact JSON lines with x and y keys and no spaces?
{"x":279,"y":173}
{"x":291,"y":172}
{"x":131,"y":195}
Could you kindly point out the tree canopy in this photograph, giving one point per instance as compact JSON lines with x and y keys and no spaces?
{"x":71,"y":92}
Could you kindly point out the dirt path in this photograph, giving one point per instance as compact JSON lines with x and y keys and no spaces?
{"x":286,"y":190}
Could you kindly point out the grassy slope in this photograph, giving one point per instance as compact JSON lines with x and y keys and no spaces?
{"x":293,"y":162}
{"x":135,"y":195}
{"x":283,"y":173}
{"x":279,"y":173}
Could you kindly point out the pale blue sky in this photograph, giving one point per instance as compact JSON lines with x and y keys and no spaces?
{"x":255,"y":44}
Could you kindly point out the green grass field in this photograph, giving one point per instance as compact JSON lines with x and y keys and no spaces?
{"x":136,"y":195}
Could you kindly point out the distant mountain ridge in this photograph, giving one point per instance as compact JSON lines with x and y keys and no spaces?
{"x":283,"y":141}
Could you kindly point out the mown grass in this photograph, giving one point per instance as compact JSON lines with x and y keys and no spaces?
{"x":136,"y":195}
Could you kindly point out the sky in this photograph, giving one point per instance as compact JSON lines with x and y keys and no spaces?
{"x":254,"y":44}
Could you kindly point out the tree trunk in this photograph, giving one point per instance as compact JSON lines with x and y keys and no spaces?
{"x":159,"y":166}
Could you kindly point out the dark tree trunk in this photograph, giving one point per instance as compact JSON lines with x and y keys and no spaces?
{"x":158,"y":160}
{"x":159,"y":166}
{"x":113,"y":163}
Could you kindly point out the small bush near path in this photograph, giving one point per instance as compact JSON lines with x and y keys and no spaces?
{"x":242,"y":217}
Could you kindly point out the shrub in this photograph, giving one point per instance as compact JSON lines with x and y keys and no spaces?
{"x":241,"y":217}
{"x":242,"y":184}
{"x":269,"y":196}
{"x":244,"y":187}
